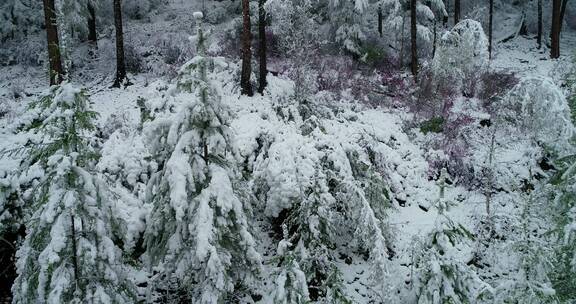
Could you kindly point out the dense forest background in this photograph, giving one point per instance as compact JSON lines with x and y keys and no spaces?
{"x":287,"y":151}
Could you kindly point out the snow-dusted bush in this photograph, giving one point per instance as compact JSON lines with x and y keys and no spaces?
{"x":198,"y":232}
{"x":19,"y":18}
{"x":68,"y":254}
{"x":217,"y":14}
{"x":125,"y":160}
{"x":538,"y":108}
{"x":494,"y":85}
{"x":311,"y":183}
{"x":330,"y":176}
{"x":140,"y":9}
{"x":27,"y":52}
{"x":461,"y":55}
{"x":133,"y":59}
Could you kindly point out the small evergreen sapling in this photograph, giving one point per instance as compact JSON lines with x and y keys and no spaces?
{"x":563,"y":195}
{"x":68,"y":255}
{"x":313,"y":234}
{"x":291,"y":284}
{"x":442,"y":277}
{"x":198,"y":233}
{"x":534,"y":258}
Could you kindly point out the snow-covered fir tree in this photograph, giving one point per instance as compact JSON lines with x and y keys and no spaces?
{"x":323,"y":189}
{"x":348,"y":19}
{"x":429,"y":15}
{"x":461,"y":55}
{"x":564,"y":214}
{"x":308,"y":247}
{"x":69,"y":255}
{"x":198,"y":233}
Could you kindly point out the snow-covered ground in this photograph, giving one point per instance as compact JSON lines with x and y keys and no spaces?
{"x":402,"y":152}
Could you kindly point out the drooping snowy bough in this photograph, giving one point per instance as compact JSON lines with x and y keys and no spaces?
{"x":538,"y":108}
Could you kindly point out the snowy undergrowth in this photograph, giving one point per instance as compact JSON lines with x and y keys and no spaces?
{"x":338,"y":192}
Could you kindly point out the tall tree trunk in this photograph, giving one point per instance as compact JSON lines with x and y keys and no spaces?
{"x":555,"y":32}
{"x":456,"y":11}
{"x":262,"y":47}
{"x":539,"y":37}
{"x":380,"y":20}
{"x":120,"y":64}
{"x":490,"y":28}
{"x":245,"y":84}
{"x":402,"y":41}
{"x":435,"y":39}
{"x":562,"y":13}
{"x":413,"y":38}
{"x":92,"y":35}
{"x":56,"y":71}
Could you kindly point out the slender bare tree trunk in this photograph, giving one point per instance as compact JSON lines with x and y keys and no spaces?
{"x":56,"y":71}
{"x":413,"y":38}
{"x":402,"y":40}
{"x":490,"y":28}
{"x":262,"y":82}
{"x":555,"y":32}
{"x":539,"y":37}
{"x":92,"y":35}
{"x":120,"y":64}
{"x":245,"y":84}
{"x":435,"y":40}
{"x":456,"y":11}
{"x":380,"y":17}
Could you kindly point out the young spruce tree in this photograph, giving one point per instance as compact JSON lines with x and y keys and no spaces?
{"x":68,"y":255}
{"x":442,"y":277}
{"x":198,"y":233}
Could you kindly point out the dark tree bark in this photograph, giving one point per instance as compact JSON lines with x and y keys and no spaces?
{"x":562,"y":13}
{"x":413,"y":38}
{"x":262,"y":83}
{"x":74,"y":253}
{"x":245,"y":84}
{"x":92,"y":35}
{"x":555,"y":32}
{"x":120,"y":64}
{"x":380,"y":20}
{"x":490,"y":27}
{"x":539,"y":37}
{"x":456,"y":11}
{"x":56,"y":71}
{"x":435,"y":40}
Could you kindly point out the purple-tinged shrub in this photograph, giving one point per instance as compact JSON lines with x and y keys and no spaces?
{"x":494,"y":85}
